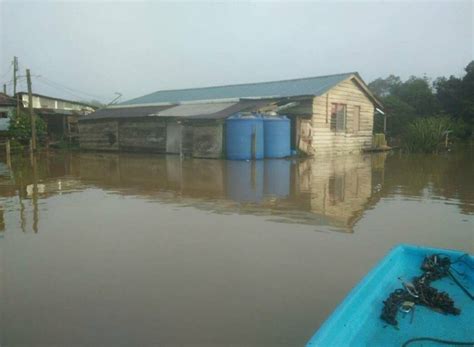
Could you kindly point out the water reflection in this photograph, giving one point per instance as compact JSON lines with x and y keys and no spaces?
{"x":333,"y":193}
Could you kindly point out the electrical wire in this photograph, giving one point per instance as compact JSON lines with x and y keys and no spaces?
{"x":433,"y":339}
{"x":6,"y":72}
{"x":58,"y":88}
{"x":59,"y":85}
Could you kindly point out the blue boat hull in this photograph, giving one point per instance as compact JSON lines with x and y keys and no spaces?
{"x":356,"y":321}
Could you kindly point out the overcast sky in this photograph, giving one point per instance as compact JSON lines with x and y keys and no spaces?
{"x":89,"y":50}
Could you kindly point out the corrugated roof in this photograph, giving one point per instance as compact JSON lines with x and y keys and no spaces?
{"x":286,"y":88}
{"x":125,"y":112}
{"x":211,"y":110}
{"x":6,"y":100}
{"x":200,"y":109}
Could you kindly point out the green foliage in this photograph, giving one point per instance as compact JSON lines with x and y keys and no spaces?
{"x":426,"y":134}
{"x":417,"y":93}
{"x":20,"y":128}
{"x":385,"y":86}
{"x":417,"y":98}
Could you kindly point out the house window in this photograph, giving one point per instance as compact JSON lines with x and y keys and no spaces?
{"x":338,"y":117}
{"x":3,"y":114}
{"x":356,"y":120}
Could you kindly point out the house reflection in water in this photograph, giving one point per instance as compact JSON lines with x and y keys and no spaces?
{"x":325,"y":192}
{"x":341,"y":189}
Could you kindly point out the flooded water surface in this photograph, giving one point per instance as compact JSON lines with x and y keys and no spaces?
{"x":108,"y":249}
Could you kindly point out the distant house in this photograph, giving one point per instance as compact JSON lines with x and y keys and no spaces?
{"x":7,"y":106}
{"x":329,"y":114}
{"x":60,"y":115}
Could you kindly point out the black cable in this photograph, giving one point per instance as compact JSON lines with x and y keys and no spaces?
{"x":433,"y":339}
{"x":460,"y":285}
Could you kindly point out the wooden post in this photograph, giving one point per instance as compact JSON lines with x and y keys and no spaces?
{"x":254,"y":143}
{"x":34,"y":196}
{"x":32,"y":115}
{"x":7,"y":152}
{"x":31,"y":151}
{"x":15,"y":69}
{"x":385,"y":124}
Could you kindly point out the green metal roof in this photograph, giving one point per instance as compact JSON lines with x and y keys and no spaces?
{"x":287,"y":88}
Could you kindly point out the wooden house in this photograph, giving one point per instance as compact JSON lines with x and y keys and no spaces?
{"x":329,"y":115}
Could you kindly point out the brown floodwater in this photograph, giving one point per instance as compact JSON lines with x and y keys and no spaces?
{"x":123,"y":249}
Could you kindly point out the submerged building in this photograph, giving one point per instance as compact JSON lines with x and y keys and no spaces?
{"x":328,"y":115}
{"x":60,"y":115}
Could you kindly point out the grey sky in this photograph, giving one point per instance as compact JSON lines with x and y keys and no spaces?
{"x":140,"y":47}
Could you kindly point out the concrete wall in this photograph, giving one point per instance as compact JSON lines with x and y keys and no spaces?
{"x":208,"y":140}
{"x":142,"y":135}
{"x":203,"y":139}
{"x":174,"y":137}
{"x":99,"y":135}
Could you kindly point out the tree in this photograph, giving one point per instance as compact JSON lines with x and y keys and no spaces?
{"x":456,"y":98}
{"x":417,"y":97}
{"x":20,"y":128}
{"x":383,"y":87}
{"x":417,"y":93}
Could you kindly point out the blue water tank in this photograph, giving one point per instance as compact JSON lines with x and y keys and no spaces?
{"x":244,"y":137}
{"x":277,"y":141}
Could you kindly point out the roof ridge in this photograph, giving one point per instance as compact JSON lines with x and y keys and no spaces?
{"x":247,"y":84}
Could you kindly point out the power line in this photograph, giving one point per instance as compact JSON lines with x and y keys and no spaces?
{"x":59,"y":85}
{"x":7,"y":71}
{"x":44,"y":82}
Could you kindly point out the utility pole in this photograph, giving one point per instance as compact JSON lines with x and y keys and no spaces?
{"x":32,"y":115}
{"x":15,"y":69}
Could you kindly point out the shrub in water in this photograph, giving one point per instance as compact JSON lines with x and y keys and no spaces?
{"x":426,"y":134}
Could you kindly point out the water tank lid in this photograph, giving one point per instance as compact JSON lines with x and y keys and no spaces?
{"x":266,"y":117}
{"x":245,"y":116}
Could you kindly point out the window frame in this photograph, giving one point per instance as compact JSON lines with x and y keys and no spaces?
{"x":334,"y":117}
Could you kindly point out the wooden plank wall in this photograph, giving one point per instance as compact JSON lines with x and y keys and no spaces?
{"x":320,"y":139}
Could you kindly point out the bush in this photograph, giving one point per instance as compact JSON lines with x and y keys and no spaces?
{"x":427,"y":134}
{"x":20,"y":128}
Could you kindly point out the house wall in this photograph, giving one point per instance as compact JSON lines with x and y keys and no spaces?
{"x":203,"y":139}
{"x":316,"y":134}
{"x":142,"y":135}
{"x":5,"y":122}
{"x":51,"y":103}
{"x":208,"y":140}
{"x":99,"y":135}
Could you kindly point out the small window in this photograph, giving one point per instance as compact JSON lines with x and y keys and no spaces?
{"x":338,"y":117}
{"x":3,"y":115}
{"x":356,"y":120}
